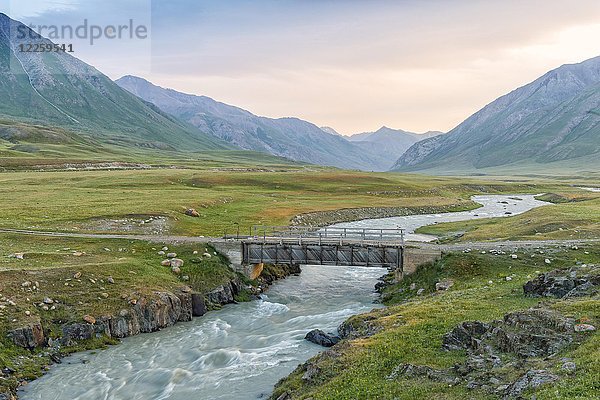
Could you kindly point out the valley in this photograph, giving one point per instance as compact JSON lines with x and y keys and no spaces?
{"x":152,"y":239}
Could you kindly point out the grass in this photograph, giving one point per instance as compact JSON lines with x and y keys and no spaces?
{"x":72,"y":201}
{"x":51,"y":264}
{"x":413,"y":327}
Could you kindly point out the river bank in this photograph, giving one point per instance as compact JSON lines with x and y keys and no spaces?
{"x":238,"y":352}
{"x":103,"y":291}
{"x":410,"y":349}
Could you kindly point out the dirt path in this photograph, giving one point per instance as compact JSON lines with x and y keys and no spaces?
{"x":510,"y":244}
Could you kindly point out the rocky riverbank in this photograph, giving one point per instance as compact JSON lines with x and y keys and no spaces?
{"x":510,"y":357}
{"x":44,"y":337}
{"x":323,"y":218}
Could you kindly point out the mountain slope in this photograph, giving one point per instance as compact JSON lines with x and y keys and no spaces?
{"x":288,"y":137}
{"x":389,"y":143}
{"x":58,"y":89}
{"x":554,"y":119}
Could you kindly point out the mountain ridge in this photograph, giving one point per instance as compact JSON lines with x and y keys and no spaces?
{"x":289,"y":137}
{"x":554,"y":118}
{"x":58,"y":89}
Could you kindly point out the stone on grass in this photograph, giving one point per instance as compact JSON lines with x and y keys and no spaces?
{"x":444,"y":284}
{"x":177,"y":262}
{"x":89,"y":319}
{"x":192,"y":213}
{"x":584,"y":328}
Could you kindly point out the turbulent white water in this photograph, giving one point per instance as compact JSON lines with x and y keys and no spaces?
{"x":493,"y":206}
{"x":239,"y":352}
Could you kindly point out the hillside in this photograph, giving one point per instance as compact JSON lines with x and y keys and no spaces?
{"x":287,"y":137}
{"x":551,"y":123}
{"x":57,"y":89}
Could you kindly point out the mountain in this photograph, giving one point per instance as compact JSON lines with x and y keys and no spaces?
{"x":389,"y":143}
{"x":330,"y":130}
{"x":288,"y":137}
{"x":57,"y":89}
{"x":553,"y":121}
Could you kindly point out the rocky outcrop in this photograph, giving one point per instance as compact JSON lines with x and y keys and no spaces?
{"x":531,"y":379}
{"x":321,"y":338}
{"x":577,"y":281}
{"x":146,"y":314}
{"x":530,"y":333}
{"x":359,"y":326}
{"x":224,"y":294}
{"x":521,"y":342}
{"x":29,"y":337}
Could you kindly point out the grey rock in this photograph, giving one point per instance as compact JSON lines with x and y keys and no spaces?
{"x":444,"y":285}
{"x":221,"y":295}
{"x":466,"y":335}
{"x":321,"y":338}
{"x":311,"y":372}
{"x":198,"y":305}
{"x":176,"y":262}
{"x":569,"y":367}
{"x":531,"y":379}
{"x":29,"y":337}
{"x":420,"y":371}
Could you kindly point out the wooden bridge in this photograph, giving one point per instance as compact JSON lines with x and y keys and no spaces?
{"x":324,"y":246}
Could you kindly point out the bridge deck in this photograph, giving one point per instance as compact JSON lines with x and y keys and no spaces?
{"x":311,"y":252}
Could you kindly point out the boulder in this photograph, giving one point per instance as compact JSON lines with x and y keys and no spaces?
{"x":221,"y":295}
{"x":176,"y":262}
{"x":198,"y":305}
{"x":529,"y":333}
{"x":467,"y":335}
{"x":186,"y":312}
{"x":321,"y":338}
{"x":29,"y":337}
{"x":192,"y":213}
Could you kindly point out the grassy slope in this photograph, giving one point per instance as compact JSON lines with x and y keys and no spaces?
{"x":69,"y":200}
{"x":414,"y":329}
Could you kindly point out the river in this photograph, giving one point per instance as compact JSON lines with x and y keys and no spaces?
{"x":241,"y":351}
{"x":493,"y":206}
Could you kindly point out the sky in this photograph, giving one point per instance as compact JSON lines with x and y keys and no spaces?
{"x":353,"y":65}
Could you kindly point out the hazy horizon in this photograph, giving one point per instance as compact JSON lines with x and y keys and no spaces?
{"x":357,"y":66}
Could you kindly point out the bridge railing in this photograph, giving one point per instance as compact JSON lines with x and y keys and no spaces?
{"x":395,"y":236}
